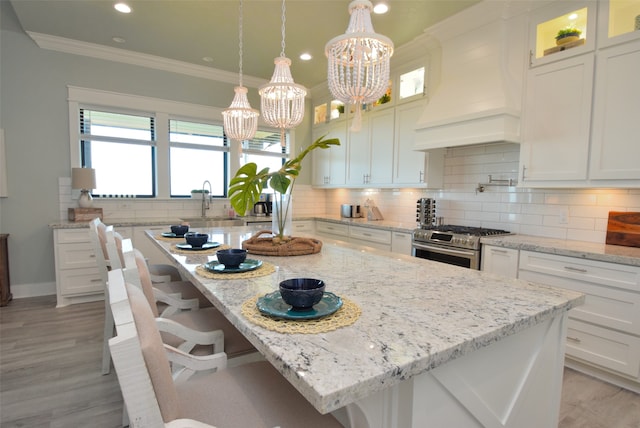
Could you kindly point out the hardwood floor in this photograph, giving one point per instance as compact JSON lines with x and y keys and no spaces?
{"x":50,"y":362}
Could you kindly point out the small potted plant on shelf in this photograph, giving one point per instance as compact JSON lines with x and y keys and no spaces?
{"x":197,"y":193}
{"x":247,"y":185}
{"x":567,"y":35}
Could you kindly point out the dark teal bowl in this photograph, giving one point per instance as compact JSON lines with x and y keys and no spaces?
{"x":302,"y":293}
{"x":179,"y":229}
{"x":196,"y":240}
{"x":232,"y":257}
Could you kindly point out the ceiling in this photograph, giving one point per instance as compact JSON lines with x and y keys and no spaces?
{"x":188,"y":30}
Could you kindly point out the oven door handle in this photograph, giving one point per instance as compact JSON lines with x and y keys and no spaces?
{"x":448,"y":251}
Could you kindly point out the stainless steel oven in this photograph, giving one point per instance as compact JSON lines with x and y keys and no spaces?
{"x":454,"y":245}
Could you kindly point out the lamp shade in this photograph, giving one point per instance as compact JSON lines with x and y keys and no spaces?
{"x":83,"y":178}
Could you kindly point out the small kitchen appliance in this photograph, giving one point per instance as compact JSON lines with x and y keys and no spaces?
{"x":456,"y":245}
{"x":260,"y":209}
{"x":350,"y":211}
{"x":426,"y":212}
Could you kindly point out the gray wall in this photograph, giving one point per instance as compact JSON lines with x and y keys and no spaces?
{"x":34,"y":115}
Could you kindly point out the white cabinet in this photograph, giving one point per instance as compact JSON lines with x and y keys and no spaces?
{"x":142,"y":242}
{"x":580,"y":126}
{"x":371,"y":150}
{"x":332,"y":230}
{"x":500,"y":260}
{"x":411,"y":167}
{"x":380,"y":154}
{"x":555,"y":144}
{"x":401,"y":243}
{"x":370,"y":237}
{"x":604,"y":333}
{"x":357,"y":235}
{"x":329,"y":165}
{"x":77,"y":276}
{"x":615,"y":139}
{"x":306,"y":227}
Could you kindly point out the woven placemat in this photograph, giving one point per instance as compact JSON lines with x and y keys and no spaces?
{"x":208,"y":252}
{"x":266,"y":269}
{"x":159,"y":237}
{"x":345,"y":316}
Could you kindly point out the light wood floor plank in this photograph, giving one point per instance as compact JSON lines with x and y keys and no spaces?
{"x":50,"y":361}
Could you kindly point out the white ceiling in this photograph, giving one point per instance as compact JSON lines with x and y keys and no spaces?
{"x":188,"y":30}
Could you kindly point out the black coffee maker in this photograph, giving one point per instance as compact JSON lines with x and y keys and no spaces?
{"x":269,"y":200}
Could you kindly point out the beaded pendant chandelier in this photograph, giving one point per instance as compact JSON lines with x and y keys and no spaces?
{"x":240,"y":120}
{"x":282,"y":100}
{"x":358,"y":71}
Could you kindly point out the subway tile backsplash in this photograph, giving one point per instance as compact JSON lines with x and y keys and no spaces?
{"x":574,"y":214}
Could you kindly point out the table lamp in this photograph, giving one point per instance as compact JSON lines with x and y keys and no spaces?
{"x":85,"y":180}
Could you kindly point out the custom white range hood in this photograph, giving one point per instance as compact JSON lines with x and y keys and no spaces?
{"x":478,"y":99}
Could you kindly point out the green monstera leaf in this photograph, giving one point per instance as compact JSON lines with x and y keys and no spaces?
{"x":246,"y":186}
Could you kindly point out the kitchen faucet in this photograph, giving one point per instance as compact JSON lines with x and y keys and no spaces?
{"x":205,"y":199}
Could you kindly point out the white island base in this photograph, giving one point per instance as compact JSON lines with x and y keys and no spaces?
{"x":515,"y":382}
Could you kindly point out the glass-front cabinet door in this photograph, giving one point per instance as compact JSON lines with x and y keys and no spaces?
{"x":562,"y":30}
{"x":619,"y":21}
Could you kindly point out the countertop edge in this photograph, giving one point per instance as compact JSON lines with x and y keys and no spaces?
{"x":577,"y":249}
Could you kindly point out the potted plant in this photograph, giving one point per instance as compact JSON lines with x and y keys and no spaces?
{"x":246,"y":186}
{"x":197,"y":193}
{"x":568,"y":34}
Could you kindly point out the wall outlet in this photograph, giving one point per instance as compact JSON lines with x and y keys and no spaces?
{"x":564,"y":216}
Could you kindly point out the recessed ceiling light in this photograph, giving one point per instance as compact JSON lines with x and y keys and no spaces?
{"x":207,"y":59}
{"x":122,"y":7}
{"x":305,"y":56}
{"x":380,"y":8}
{"x":118,"y":39}
{"x":573,"y":16}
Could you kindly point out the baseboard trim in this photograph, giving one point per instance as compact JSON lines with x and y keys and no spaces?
{"x":21,"y":291}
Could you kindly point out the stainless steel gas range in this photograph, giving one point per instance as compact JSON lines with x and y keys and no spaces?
{"x":456,"y":245}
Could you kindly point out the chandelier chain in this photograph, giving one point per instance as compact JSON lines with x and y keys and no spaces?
{"x":283,"y":32}
{"x":240,"y":42}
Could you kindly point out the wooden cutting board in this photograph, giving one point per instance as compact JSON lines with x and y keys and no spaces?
{"x":623,"y":229}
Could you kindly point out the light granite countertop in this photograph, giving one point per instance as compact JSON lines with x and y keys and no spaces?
{"x":584,"y":250}
{"x":416,"y":315}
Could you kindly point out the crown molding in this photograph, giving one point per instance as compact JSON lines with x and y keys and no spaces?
{"x":61,"y":44}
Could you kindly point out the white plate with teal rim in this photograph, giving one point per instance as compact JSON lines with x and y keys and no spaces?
{"x":272,"y":305}
{"x":246,"y":266}
{"x":207,"y":246}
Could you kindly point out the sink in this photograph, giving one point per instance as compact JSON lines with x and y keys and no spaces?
{"x":212,"y":221}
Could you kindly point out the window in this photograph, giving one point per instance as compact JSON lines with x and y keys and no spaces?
{"x":266,"y":151}
{"x":197,"y":152}
{"x":156,"y":148}
{"x":121,"y":148}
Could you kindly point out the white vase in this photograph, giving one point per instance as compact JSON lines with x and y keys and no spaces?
{"x":282,"y":215}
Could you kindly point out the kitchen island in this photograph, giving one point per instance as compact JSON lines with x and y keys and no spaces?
{"x":434,"y":345}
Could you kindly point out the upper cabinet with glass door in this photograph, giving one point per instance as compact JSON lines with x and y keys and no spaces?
{"x":411,"y":84}
{"x":561,"y":30}
{"x":619,"y":21}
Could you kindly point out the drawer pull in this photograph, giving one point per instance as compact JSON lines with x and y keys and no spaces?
{"x":92,"y":256}
{"x":496,"y":250}
{"x":366,"y":234}
{"x":96,"y":280}
{"x":573,"y":269}
{"x":573,"y":339}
